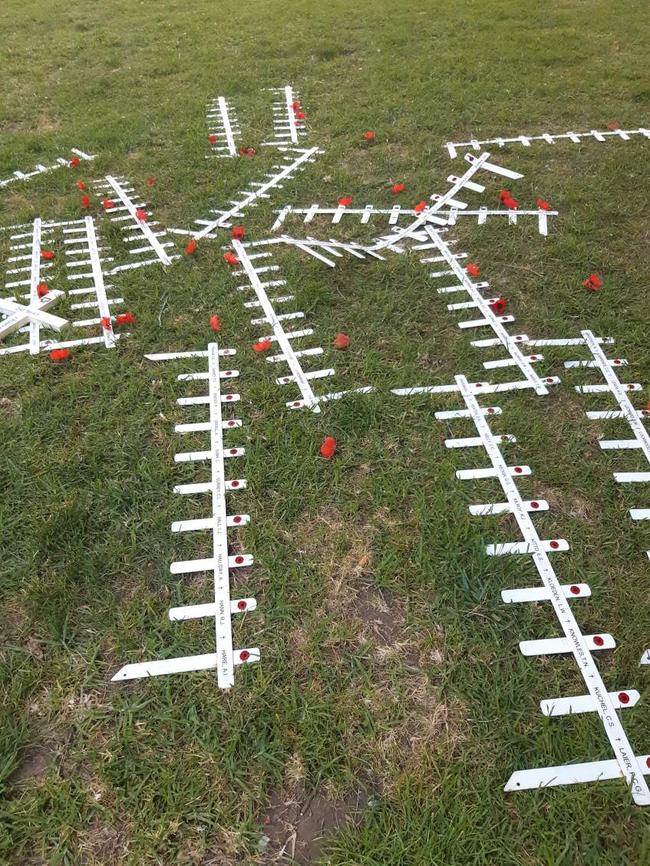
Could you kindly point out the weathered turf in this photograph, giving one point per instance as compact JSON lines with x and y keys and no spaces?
{"x":389,"y":664}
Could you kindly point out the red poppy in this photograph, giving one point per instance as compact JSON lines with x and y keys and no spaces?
{"x":296,"y":105}
{"x":613,"y":125}
{"x":503,"y":195}
{"x":247,"y":151}
{"x":542,"y":204}
{"x":108,"y":204}
{"x":397,"y":187}
{"x":60,"y":354}
{"x":80,"y":185}
{"x":47,"y":254}
{"x":593,"y":283}
{"x":190,"y":247}
{"x":42,"y":289}
{"x":341,"y":341}
{"x":85,"y":201}
{"x":262,"y":345}
{"x":151,"y":181}
{"x":369,"y":135}
{"x":230,"y":258}
{"x":105,"y":322}
{"x":300,"y":115}
{"x":473,"y":270}
{"x":499,"y":306}
{"x":510,"y":203}
{"x":215,"y":323}
{"x":420,"y":206}
{"x":237,"y":233}
{"x":328,"y":447}
{"x":125,"y":319}
{"x":212,"y":138}
{"x":141,"y":215}
{"x":345,"y":200}
{"x":74,"y":162}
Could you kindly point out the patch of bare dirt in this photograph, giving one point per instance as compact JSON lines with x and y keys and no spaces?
{"x":34,"y":763}
{"x":104,"y":845}
{"x":296,"y":827}
{"x":9,"y":407}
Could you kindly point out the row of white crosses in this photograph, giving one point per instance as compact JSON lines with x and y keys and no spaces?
{"x":549,"y":138}
{"x":39,"y":169}
{"x":222,"y":606}
{"x":625,"y":763}
{"x":222,"y":123}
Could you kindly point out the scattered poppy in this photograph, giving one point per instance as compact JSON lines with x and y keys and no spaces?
{"x":499,"y":306}
{"x":613,"y":125}
{"x":105,"y":322}
{"x":247,"y":151}
{"x":296,"y":105}
{"x":368,"y":136}
{"x":300,"y":115}
{"x":215,"y":323}
{"x":85,"y":201}
{"x":420,"y":206}
{"x":473,"y":270}
{"x":42,"y":289}
{"x":503,"y":195}
{"x":237,"y":233}
{"x":345,"y":200}
{"x":60,"y":354}
{"x":190,"y":247}
{"x":592,"y":283}
{"x":328,"y":447}
{"x":542,"y":204}
{"x":80,"y":185}
{"x":397,"y":187}
{"x":341,"y":341}
{"x":125,"y":319}
{"x":108,"y":204}
{"x":141,"y":215}
{"x":230,"y":258}
{"x":212,"y":138}
{"x":510,"y":203}
{"x":47,"y":254}
{"x":151,"y":181}
{"x":262,"y":345}
{"x":74,"y":162}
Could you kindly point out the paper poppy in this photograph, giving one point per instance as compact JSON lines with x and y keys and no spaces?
{"x":215,"y":323}
{"x":151,"y":181}
{"x":108,"y":204}
{"x":74,"y":162}
{"x":141,"y":215}
{"x":473,"y":270}
{"x":237,"y":233}
{"x":262,"y":345}
{"x":397,"y":187}
{"x":105,"y":322}
{"x":542,"y":204}
{"x":328,"y":447}
{"x":300,"y":115}
{"x":593,"y":283}
{"x":230,"y":258}
{"x":510,"y":203}
{"x":420,"y":206}
{"x":80,"y":185}
{"x":60,"y":354}
{"x":503,"y":195}
{"x":341,"y":341}
{"x":296,"y":105}
{"x":47,"y":254}
{"x":247,"y":151}
{"x":190,"y":247}
{"x":42,"y":289}
{"x":499,"y":306}
{"x":212,"y":138}
{"x":614,"y":125}
{"x":85,"y":201}
{"x":368,"y":136}
{"x":125,"y":319}
{"x":345,"y":200}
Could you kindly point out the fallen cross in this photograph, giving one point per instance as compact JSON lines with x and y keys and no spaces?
{"x":548,"y":138}
{"x":222,"y":124}
{"x":288,"y":128}
{"x":44,"y":169}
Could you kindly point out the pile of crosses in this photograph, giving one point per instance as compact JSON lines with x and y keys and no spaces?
{"x":36,"y":294}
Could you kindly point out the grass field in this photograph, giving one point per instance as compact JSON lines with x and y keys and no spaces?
{"x":391,"y":700}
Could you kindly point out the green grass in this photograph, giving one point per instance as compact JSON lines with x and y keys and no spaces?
{"x":173,"y":771}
